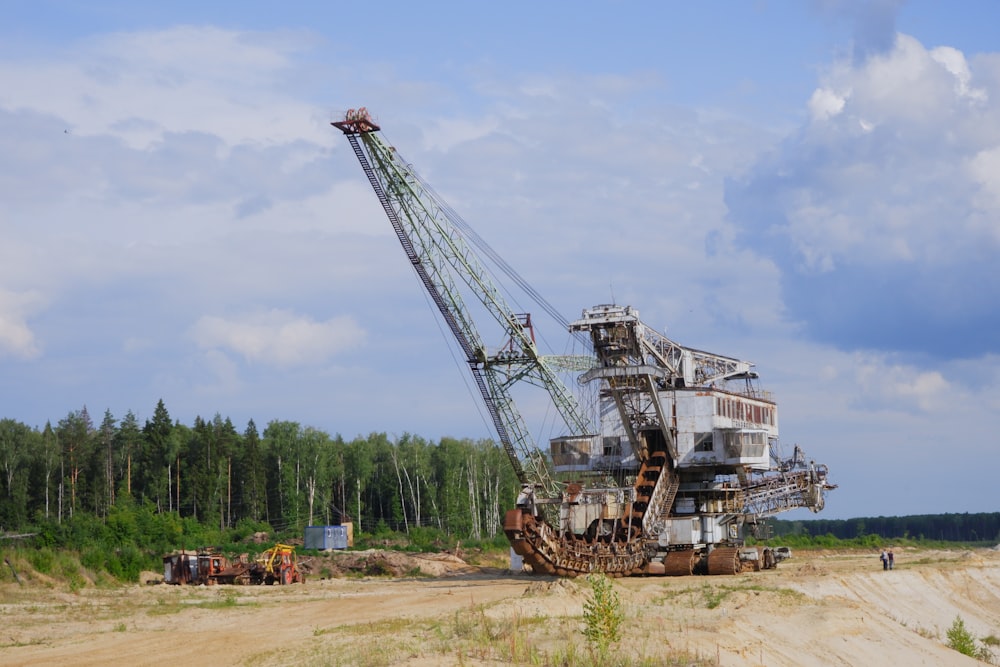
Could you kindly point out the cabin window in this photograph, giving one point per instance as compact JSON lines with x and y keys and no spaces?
{"x":703,"y":442}
{"x":745,"y":444}
{"x":613,"y":445}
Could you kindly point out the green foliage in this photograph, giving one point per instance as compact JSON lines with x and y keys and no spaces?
{"x":42,"y":559}
{"x":245,"y":528}
{"x":127,"y":563}
{"x":131,"y":494}
{"x":963,"y":641}
{"x":602,"y":614}
{"x":974,"y":529}
{"x":713,"y":596}
{"x":960,"y":639}
{"x":870,"y":542}
{"x":425,"y":539}
{"x":116,"y":496}
{"x":93,"y":558}
{"x":120,"y":494}
{"x":133,"y":539}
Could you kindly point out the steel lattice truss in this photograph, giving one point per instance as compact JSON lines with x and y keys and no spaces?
{"x":432,"y":237}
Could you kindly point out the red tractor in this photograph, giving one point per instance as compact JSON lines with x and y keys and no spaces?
{"x":278,"y":564}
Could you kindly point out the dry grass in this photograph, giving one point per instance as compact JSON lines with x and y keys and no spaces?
{"x":488,"y":618}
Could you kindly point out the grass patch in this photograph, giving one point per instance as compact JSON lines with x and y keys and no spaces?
{"x":389,"y":626}
{"x":711,"y":595}
{"x":33,"y":642}
{"x":474,"y":635}
{"x":163,"y":607}
{"x":714,"y":596}
{"x":225,"y":600}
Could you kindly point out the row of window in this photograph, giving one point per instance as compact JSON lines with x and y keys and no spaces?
{"x":737,"y":409}
{"x":738,"y":443}
{"x":745,"y":444}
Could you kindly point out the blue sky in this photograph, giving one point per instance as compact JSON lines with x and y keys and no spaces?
{"x":814,"y":187}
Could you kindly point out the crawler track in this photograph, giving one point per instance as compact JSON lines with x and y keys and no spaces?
{"x":546,"y":552}
{"x":680,"y":563}
{"x":724,"y":560}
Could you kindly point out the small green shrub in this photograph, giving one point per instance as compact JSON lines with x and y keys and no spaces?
{"x":377,"y":569}
{"x":92,"y":558}
{"x":603,"y":614}
{"x":713,"y":596}
{"x":76,"y":583}
{"x":963,"y":641}
{"x":226,"y":598}
{"x":42,"y":560}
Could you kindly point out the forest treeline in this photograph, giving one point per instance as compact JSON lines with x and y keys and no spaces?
{"x":286,"y":477}
{"x":980,"y":527}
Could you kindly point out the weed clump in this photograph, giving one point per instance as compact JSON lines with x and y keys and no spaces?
{"x":602,"y":614}
{"x":963,"y":641}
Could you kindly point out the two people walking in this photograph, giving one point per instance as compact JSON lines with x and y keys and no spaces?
{"x":887,"y":559}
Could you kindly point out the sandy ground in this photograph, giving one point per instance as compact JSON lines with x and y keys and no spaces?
{"x":830,"y":608}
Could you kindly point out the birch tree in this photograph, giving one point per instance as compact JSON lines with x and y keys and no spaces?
{"x":315,"y":455}
{"x":14,"y":449}
{"x":48,"y":457}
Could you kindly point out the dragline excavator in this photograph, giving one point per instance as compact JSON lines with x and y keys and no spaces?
{"x":681,"y":459}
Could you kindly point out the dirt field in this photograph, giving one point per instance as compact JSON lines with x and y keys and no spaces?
{"x":816,"y":609}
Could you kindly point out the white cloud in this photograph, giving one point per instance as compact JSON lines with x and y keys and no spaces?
{"x":984,"y":168}
{"x":954,"y":61}
{"x":881,"y":211}
{"x":825,"y":103}
{"x":222,"y":377}
{"x":907,"y":84}
{"x":16,"y":337}
{"x":448,"y":132}
{"x":884,"y":385}
{"x":140,"y":86}
{"x":279,"y":337}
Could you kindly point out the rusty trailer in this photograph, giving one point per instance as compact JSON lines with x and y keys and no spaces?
{"x":193,"y":567}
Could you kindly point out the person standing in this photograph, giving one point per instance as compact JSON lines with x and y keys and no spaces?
{"x":891,"y":559}
{"x":885,"y":560}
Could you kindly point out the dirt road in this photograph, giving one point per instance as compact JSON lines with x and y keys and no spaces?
{"x":816,"y":609}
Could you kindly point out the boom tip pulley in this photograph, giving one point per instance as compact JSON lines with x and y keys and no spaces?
{"x":356,"y":121}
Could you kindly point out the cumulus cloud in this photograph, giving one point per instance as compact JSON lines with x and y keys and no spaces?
{"x":881,"y":212}
{"x":883,"y":385}
{"x":984,"y":168}
{"x":279,"y":337}
{"x":16,"y":337}
{"x":141,"y":86}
